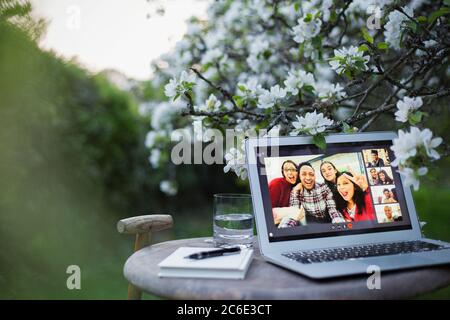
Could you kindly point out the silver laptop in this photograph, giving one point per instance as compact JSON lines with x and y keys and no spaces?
{"x":336,"y":212}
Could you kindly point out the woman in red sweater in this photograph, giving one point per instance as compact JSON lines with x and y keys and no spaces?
{"x":280,"y":188}
{"x":354,"y":202}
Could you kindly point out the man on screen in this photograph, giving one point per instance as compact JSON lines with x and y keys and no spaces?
{"x":389,"y":217}
{"x":316,"y":198}
{"x":373,"y":179}
{"x":376,"y":160}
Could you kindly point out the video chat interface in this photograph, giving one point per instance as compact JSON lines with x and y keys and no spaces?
{"x":347,"y":190}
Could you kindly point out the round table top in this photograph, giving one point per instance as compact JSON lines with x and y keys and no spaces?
{"x":268,"y":281}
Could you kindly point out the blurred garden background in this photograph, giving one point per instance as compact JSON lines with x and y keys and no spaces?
{"x":73,"y":161}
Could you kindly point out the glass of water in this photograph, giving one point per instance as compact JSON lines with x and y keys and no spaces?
{"x":233,"y":220}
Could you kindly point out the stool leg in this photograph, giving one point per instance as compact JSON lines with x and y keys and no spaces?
{"x":134,"y":293}
{"x":142,"y":241}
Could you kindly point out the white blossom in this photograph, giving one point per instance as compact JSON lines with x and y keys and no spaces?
{"x":236,"y":162}
{"x":394,"y":25}
{"x":152,"y":136}
{"x":179,"y":86}
{"x":168,"y":187}
{"x":244,"y":43}
{"x":312,"y":123}
{"x":187,"y":77}
{"x":427,"y":44}
{"x":212,"y":56}
{"x":407,"y":144}
{"x":170,"y":89}
{"x":411,"y":176}
{"x":329,"y":91}
{"x":263,"y":11}
{"x":430,"y":143}
{"x":155,"y":156}
{"x":250,"y":89}
{"x":406,"y":107}
{"x":306,"y":30}
{"x":297,"y":79}
{"x":211,"y":104}
{"x":163,"y":113}
{"x":268,"y":98}
{"x":348,"y":59}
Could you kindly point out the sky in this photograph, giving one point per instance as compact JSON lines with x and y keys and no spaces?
{"x":125,"y":35}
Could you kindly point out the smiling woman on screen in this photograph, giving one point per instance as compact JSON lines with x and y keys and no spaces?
{"x":280,"y":188}
{"x":354,"y":202}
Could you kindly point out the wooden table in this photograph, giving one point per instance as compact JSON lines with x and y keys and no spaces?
{"x":268,"y":281}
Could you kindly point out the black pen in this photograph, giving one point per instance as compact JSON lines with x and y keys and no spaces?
{"x":213,"y":253}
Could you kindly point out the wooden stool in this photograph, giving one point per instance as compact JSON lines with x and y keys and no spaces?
{"x":142,"y":227}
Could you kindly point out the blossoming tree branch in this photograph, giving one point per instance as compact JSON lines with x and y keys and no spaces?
{"x":310,"y":67}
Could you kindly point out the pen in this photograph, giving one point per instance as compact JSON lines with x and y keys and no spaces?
{"x":213,"y":253}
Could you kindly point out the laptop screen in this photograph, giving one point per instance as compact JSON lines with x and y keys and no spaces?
{"x":350,"y":188}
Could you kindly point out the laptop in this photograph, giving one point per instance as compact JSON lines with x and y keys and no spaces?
{"x":336,"y":212}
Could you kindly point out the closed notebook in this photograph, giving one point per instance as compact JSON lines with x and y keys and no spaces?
{"x":233,"y":266}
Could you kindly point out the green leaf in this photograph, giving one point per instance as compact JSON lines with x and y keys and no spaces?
{"x":363,"y":48}
{"x":242,"y":88}
{"x":437,"y":14}
{"x":382,"y":45}
{"x":411,"y":25}
{"x":359,"y":65}
{"x":267,"y":54}
{"x":268,"y":111}
{"x":206,"y":66}
{"x":308,"y":88}
{"x":346,"y":128}
{"x":333,"y":16}
{"x":176,"y":97}
{"x":308,"y":17}
{"x":262,"y":125}
{"x":296,"y":6}
{"x":415,"y":118}
{"x":239,"y":101}
{"x":348,"y":74}
{"x":367,"y":36}
{"x":319,"y":140}
{"x":225,"y":118}
{"x":422,"y":19}
{"x":317,"y":41}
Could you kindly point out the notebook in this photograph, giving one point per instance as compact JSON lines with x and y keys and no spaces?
{"x":232,"y":266}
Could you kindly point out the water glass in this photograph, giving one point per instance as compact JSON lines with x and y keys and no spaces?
{"x":233,"y":220}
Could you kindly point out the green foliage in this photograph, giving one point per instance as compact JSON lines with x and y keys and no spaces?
{"x":367,"y":36}
{"x":438,"y":13}
{"x":72,"y":162}
{"x":319,"y":140}
{"x":382,"y":45}
{"x":13,"y":8}
{"x":18,"y":13}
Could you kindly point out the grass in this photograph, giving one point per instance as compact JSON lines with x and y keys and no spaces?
{"x":432,"y":206}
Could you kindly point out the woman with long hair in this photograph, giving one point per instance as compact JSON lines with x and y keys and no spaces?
{"x":383,"y":178}
{"x":354,"y":201}
{"x":328,"y":171}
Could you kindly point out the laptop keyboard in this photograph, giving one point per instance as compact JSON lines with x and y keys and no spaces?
{"x":361,"y":251}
